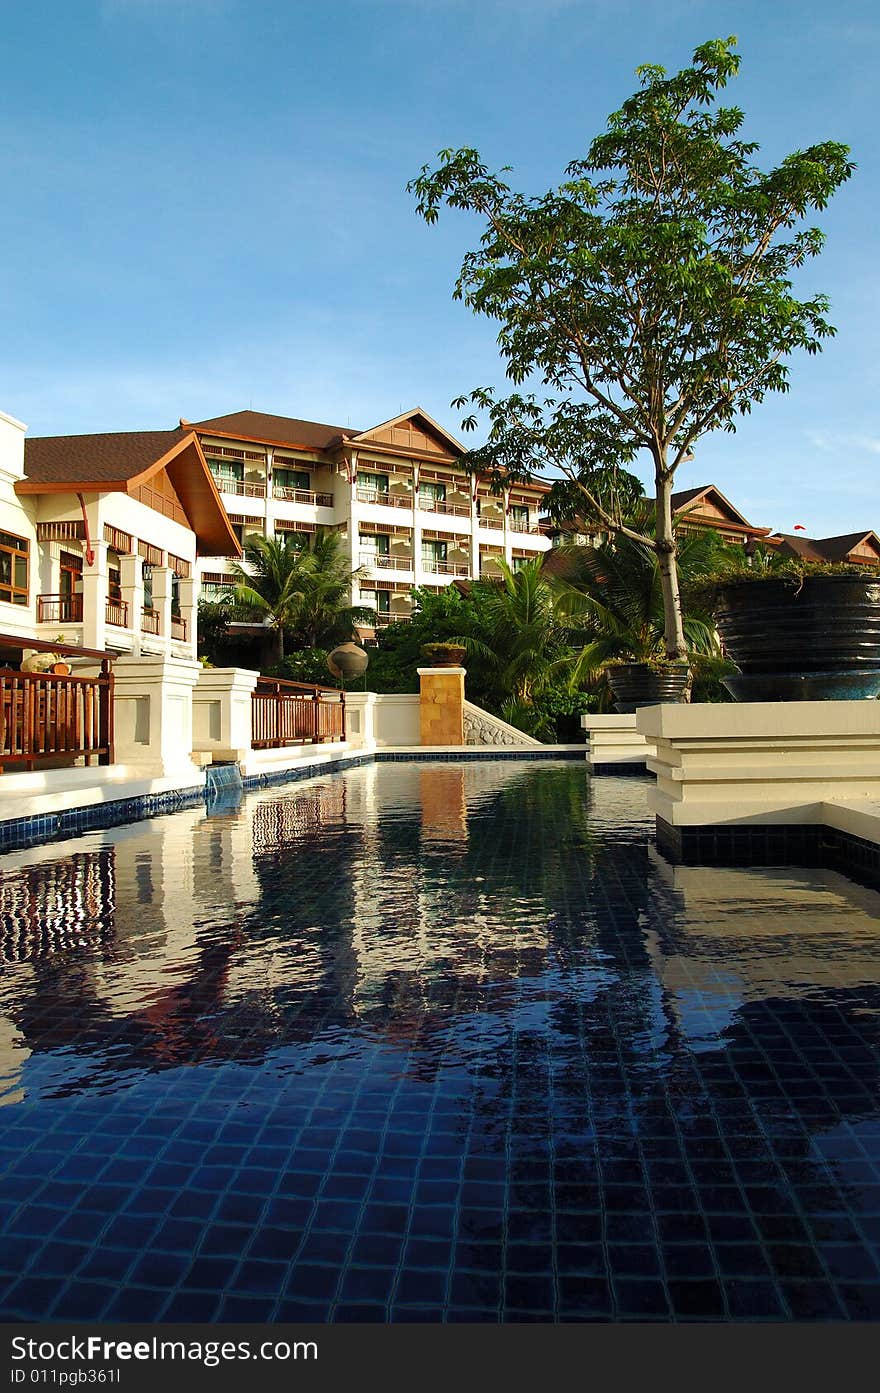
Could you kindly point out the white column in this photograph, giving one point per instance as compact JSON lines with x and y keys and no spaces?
{"x":269,"y":500}
{"x":189,"y":611}
{"x":95,"y":586}
{"x":131,"y":583}
{"x":419,"y":574}
{"x":508,"y":540}
{"x":162,"y":582}
{"x":474,"y":542}
{"x":354,"y":526}
{"x":153,"y":709}
{"x":222,"y":721}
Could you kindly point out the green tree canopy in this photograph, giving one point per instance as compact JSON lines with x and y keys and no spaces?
{"x":302,"y":590}
{"x":644,"y":302}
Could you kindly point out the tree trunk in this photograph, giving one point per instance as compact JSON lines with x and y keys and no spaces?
{"x":673,"y":631}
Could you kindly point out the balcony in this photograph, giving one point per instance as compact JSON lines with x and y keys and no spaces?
{"x":59,"y":609}
{"x":451,"y":510}
{"x":374,"y":561}
{"x":494,"y":524}
{"x":383,"y":620}
{"x":515,"y":525}
{"x":445,"y":568}
{"x":150,"y":621}
{"x":238,"y":487}
{"x":385,"y":498}
{"x":117,"y":613}
{"x":307,"y":496}
{"x":178,"y":629}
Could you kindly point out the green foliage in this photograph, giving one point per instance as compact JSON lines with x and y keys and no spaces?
{"x":302,"y":590}
{"x":306,"y":665}
{"x":650,"y":294}
{"x":213,"y":629}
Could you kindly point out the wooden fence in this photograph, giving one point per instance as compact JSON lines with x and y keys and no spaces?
{"x":47,"y":717}
{"x":293,"y":713}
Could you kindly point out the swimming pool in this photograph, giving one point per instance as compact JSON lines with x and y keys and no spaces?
{"x":433,"y":1041}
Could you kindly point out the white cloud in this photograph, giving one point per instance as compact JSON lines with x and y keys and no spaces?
{"x":842,"y":442}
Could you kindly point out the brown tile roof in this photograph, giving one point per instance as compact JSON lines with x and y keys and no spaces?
{"x":280,"y":430}
{"x":821,"y":548}
{"x":113,"y":458}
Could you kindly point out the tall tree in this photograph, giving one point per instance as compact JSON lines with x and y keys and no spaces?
{"x":649,"y":296}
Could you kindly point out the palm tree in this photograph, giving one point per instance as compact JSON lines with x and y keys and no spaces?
{"x":613,"y":594}
{"x":301,"y":590}
{"x":516,"y":636}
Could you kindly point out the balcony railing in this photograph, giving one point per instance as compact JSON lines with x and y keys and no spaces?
{"x":494,"y":524}
{"x":516,"y":525}
{"x":44,"y":715}
{"x":316,"y":500}
{"x":239,"y":487}
{"x":445,"y":568}
{"x":59,"y":609}
{"x":117,"y":613}
{"x":452,"y":510}
{"x":178,"y":628}
{"x":384,"y":498}
{"x":376,"y":561}
{"x":150,"y":621}
{"x":291,"y":713}
{"x":383,"y":620}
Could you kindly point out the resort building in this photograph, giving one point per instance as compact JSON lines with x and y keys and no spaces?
{"x":410,"y":514}
{"x":100,"y":536}
{"x":693,"y":510}
{"x":854,"y":549}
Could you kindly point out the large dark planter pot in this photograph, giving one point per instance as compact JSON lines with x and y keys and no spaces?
{"x":816,"y":639}
{"x":638,"y":684}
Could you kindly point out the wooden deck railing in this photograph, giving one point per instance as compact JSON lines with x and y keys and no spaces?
{"x":59,"y":609}
{"x":178,"y":628}
{"x":293,"y":713}
{"x":117,"y":613}
{"x":44,"y":716}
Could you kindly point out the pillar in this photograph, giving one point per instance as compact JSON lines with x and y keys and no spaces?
{"x":95,"y":585}
{"x":441,"y":705}
{"x":189,"y":611}
{"x":131,"y":583}
{"x":162,"y":583}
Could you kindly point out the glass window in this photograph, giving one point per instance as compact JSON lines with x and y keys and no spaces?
{"x":13,"y":568}
{"x":433,"y":551}
{"x":379,"y":600}
{"x":293,"y":478}
{"x":378,"y":483}
{"x":226,"y":469}
{"x":376,"y":546}
{"x":519,"y":514}
{"x":432,"y":493}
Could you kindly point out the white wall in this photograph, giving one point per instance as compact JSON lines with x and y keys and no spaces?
{"x":18,"y":517}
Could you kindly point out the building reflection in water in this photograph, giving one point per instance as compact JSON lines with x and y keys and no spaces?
{"x":487,"y":963}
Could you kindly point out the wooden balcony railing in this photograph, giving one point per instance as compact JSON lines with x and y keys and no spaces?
{"x":239,"y":488}
{"x":117,"y":613}
{"x":494,"y":524}
{"x":453,"y":510}
{"x":445,"y":568}
{"x":44,"y":716}
{"x":292,"y":713}
{"x":377,"y":561}
{"x":150,"y":621}
{"x":178,"y":628}
{"x":59,"y":609}
{"x":383,"y":620}
{"x":316,"y":500}
{"x":516,"y":525}
{"x":385,"y":499}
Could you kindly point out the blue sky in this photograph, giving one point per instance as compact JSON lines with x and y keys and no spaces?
{"x":206,"y":209}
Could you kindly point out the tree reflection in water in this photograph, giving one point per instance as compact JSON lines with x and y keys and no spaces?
{"x":456,"y":1020}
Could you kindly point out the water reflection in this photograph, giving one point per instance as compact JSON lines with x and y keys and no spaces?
{"x":466,"y":1008}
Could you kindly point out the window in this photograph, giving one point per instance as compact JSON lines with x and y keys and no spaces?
{"x":432,"y":554}
{"x":376,"y":546}
{"x":519,"y":516}
{"x":517,"y":563}
{"x":379,"y":600}
{"x":293,"y":478}
{"x":114,"y":587}
{"x":13,"y":568}
{"x":377,"y":483}
{"x":226,"y":469}
{"x":432,"y":493}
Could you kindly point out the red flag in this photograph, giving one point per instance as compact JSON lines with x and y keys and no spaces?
{"x":799,"y":527}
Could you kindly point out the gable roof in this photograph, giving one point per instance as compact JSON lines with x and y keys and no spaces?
{"x":415,"y":414}
{"x":826,"y":548}
{"x":120,"y":462}
{"x":272,"y":430}
{"x":688,"y":500}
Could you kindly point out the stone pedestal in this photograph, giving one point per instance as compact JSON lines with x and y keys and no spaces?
{"x":441,"y":705}
{"x":616,"y":745}
{"x":153,"y":715}
{"x":757,"y":781}
{"x":222,"y":717}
